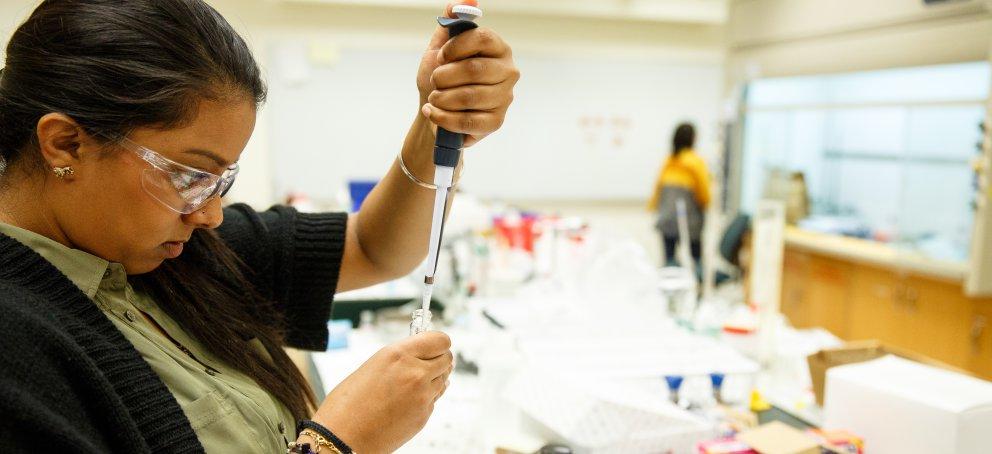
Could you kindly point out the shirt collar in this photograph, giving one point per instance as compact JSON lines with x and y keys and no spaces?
{"x":82,"y":268}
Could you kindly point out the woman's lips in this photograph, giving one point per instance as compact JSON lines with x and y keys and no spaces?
{"x":172,"y":249}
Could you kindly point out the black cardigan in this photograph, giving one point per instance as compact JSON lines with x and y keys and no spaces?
{"x":71,"y":382}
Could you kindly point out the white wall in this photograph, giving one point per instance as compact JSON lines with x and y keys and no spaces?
{"x":349,"y":29}
{"x":582,"y":128}
{"x":12,"y":13}
{"x":616,"y":41}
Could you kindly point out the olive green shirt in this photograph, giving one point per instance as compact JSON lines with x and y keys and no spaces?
{"x":228,"y":411}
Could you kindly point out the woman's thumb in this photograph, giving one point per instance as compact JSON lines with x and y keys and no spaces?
{"x":440,"y":35}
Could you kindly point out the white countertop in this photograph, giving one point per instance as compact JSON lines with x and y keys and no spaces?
{"x":874,"y":253}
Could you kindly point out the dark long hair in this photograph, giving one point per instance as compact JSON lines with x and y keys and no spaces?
{"x":115,"y":66}
{"x":683,"y":139}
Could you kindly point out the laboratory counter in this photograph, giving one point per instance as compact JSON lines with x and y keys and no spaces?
{"x":858,"y":289}
{"x":875,"y":254}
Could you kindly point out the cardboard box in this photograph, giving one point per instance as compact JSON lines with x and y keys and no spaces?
{"x":725,"y":446}
{"x":901,"y":406}
{"x":856,"y":352}
{"x":772,"y":438}
{"x":778,"y":438}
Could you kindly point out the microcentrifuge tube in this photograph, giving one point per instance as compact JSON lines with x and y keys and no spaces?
{"x":421,"y":322}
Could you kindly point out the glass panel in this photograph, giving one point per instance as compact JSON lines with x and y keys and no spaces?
{"x":869,"y":190}
{"x":766,"y":147}
{"x":945,"y":132}
{"x":936,"y":217}
{"x":942,"y":83}
{"x":867,"y":131}
{"x":888,"y":152}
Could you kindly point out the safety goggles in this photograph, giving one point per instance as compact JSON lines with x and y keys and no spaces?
{"x":179,"y":187}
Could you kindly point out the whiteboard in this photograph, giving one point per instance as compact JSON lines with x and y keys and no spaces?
{"x":579,"y":129}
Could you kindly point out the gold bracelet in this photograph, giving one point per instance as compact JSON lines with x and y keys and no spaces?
{"x":418,"y":181}
{"x":411,"y":176}
{"x":320,"y":441}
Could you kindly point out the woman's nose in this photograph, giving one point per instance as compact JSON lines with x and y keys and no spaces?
{"x":209,"y":216}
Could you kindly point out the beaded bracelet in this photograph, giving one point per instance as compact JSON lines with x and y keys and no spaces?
{"x":325,"y":433}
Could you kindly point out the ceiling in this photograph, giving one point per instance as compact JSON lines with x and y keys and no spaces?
{"x":662,"y":11}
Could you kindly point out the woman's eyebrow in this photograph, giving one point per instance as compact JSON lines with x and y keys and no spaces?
{"x":210,"y":155}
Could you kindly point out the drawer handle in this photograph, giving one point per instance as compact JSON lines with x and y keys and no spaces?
{"x":977,"y":329}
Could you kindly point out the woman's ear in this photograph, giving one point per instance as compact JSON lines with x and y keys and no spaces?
{"x":59,"y":140}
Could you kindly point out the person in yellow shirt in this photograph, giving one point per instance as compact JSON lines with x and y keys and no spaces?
{"x":683,"y":177}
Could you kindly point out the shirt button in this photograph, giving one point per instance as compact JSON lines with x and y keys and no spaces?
{"x":211,"y":372}
{"x":106,"y":273}
{"x":129,"y":316}
{"x":282,"y":428}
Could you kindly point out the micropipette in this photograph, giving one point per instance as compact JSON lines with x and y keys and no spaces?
{"x":447,"y":153}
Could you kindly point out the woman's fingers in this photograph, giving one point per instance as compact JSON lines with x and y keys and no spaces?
{"x":471,"y":88}
{"x":440,"y":366}
{"x":480,"y":42}
{"x":474,"y":71}
{"x":471,"y":97}
{"x":474,"y":123}
{"x":440,"y":386}
{"x":440,"y":369}
{"x":441,"y":382}
{"x":428,"y":346}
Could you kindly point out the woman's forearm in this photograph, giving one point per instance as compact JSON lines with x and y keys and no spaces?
{"x":465,"y":85}
{"x":395,"y":220}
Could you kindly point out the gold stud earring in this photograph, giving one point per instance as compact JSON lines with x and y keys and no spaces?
{"x":63,"y":172}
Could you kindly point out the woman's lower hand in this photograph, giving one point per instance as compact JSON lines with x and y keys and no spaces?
{"x":466,"y":83}
{"x":384,"y":403}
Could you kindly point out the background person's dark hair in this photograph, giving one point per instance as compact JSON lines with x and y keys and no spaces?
{"x":683,"y":139}
{"x":117,"y":66}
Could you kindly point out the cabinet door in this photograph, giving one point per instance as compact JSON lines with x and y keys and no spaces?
{"x":980,"y":340}
{"x":815,"y":292}
{"x":936,"y":317}
{"x":828,"y":292}
{"x":925,"y":316}
{"x":795,"y":276}
{"x":871,"y":311}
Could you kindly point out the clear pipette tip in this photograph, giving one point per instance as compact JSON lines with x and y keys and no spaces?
{"x":422,"y":317}
{"x":425,"y":298}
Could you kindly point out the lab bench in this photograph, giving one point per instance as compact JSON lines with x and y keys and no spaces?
{"x":350,"y":305}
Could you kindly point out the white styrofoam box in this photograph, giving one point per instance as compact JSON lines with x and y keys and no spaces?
{"x":900,"y":406}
